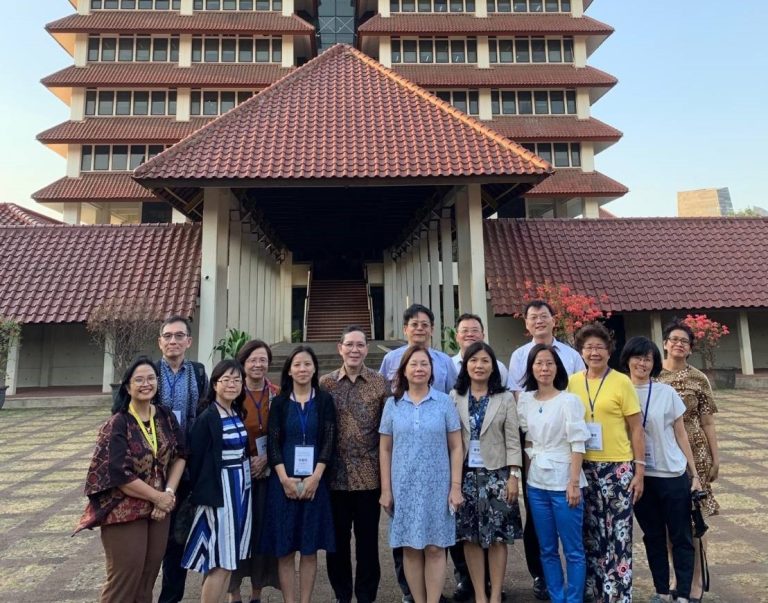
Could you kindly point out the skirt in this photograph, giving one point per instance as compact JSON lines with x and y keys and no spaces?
{"x":486,"y":516}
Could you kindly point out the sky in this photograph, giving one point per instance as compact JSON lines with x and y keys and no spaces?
{"x":691,"y":100}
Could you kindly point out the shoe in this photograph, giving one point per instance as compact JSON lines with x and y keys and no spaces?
{"x":540,"y":589}
{"x":488,"y":592}
{"x":673,"y":594}
{"x":589,"y":596}
{"x":463,"y":592}
{"x":407,"y":598}
{"x":656,"y":598}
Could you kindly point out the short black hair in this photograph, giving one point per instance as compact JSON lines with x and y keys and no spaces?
{"x":221,"y":369}
{"x":123,"y":398}
{"x":678,"y":325}
{"x":414,"y":309}
{"x":594,"y":329}
{"x":251,"y":346}
{"x":177,"y":318}
{"x":352,"y":329}
{"x":495,"y":386}
{"x":640,"y":346}
{"x":286,"y":381}
{"x":468,"y":316}
{"x":561,"y":375}
{"x":537,"y":303}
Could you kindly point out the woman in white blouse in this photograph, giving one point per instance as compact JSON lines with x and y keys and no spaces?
{"x":555,"y":433}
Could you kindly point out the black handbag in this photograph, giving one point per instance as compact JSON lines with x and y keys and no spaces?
{"x":183,"y":523}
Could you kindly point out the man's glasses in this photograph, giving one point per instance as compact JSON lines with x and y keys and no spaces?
{"x":419,"y":325}
{"x":178,"y":336}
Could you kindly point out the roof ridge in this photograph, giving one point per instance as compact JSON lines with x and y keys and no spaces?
{"x":619,"y":219}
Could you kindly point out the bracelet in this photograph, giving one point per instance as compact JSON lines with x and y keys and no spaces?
{"x":170,"y":491}
{"x":643,"y":463}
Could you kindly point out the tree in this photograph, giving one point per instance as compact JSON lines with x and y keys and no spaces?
{"x":10,"y":331}
{"x":708,"y":333}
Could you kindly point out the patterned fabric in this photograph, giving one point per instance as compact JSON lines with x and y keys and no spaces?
{"x":608,"y":531}
{"x":486,"y":516}
{"x":221,"y":536}
{"x":178,"y":391}
{"x":477,"y":410}
{"x":693,"y":387}
{"x":358,"y":413}
{"x":123,"y":455}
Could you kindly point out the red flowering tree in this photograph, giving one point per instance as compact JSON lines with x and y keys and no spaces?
{"x":572,"y":310}
{"x":707,"y":333}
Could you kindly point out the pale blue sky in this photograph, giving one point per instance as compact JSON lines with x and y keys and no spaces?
{"x":691,"y":99}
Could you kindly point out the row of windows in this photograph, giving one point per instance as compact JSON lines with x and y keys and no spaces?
{"x":559,"y":154}
{"x":531,"y":50}
{"x":133,"y":48}
{"x":539,"y":102}
{"x":464,"y":100}
{"x":432,"y":6}
{"x":136,"y":4}
{"x":434,"y":50}
{"x":197,"y":4}
{"x":232,"y":49}
{"x":216,"y":102}
{"x":130,"y":102}
{"x":238,"y":5}
{"x":117,"y":157}
{"x":529,"y":6}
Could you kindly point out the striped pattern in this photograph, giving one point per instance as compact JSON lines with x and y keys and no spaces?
{"x":220,"y":537}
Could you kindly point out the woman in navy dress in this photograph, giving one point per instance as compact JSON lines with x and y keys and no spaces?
{"x":302,"y":432}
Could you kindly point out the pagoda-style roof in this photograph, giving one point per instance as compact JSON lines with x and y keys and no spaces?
{"x":94,"y":186}
{"x":57,"y":274}
{"x":117,"y":130}
{"x":553,"y":128}
{"x":342,"y":119}
{"x":628,"y":260}
{"x":16,"y":215}
{"x":572,"y":182}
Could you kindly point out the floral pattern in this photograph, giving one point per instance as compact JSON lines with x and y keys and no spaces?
{"x":486,"y":516}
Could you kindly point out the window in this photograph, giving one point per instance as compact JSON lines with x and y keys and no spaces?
{"x":438,"y":50}
{"x":127,"y":49}
{"x":116,"y":158}
{"x":529,"y":6}
{"x":231,"y":49}
{"x":539,"y":102}
{"x":559,"y":154}
{"x":432,"y":6}
{"x":530,"y":50}
{"x":215,"y":5}
{"x":464,"y":100}
{"x":130,"y":102}
{"x":135,"y":4}
{"x":216,"y":102}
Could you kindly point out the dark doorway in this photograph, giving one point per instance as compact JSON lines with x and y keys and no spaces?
{"x":615,"y":324}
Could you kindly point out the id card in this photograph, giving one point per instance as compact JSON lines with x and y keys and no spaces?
{"x":303,"y":461}
{"x":650,"y":453}
{"x":261,"y":445}
{"x":177,"y":414}
{"x":595,"y":441}
{"x":475,"y":459}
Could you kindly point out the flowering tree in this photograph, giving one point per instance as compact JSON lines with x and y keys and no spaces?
{"x":707,"y":333}
{"x":572,"y":310}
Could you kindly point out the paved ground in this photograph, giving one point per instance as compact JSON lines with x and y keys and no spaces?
{"x":44,"y":456}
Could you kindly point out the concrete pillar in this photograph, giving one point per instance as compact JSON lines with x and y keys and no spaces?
{"x":486,"y":107}
{"x":233,"y":271}
{"x":108,"y":373}
{"x":177,"y":217}
{"x":12,"y":367}
{"x":390,"y":295}
{"x":656,"y":330}
{"x":253,"y":293}
{"x":77,"y":105}
{"x":288,"y":8}
{"x":446,"y":255}
{"x":46,"y":355}
{"x":183,"y":104}
{"x":483,"y":53}
{"x":286,"y":291}
{"x":73,"y":160}
{"x":288,"y":59}
{"x":261,"y":294}
{"x":745,"y":345}
{"x":400,"y":283}
{"x":385,"y":50}
{"x":213,"y":271}
{"x":185,"y":50}
{"x":83,"y":7}
{"x":469,"y":236}
{"x":424,"y":267}
{"x":81,"y":50}
{"x":590,"y":207}
{"x":434,"y":278}
{"x":245,"y":274}
{"x":276,"y":302}
{"x":186,"y":7}
{"x":582,"y":103}
{"x":383,"y":6}
{"x":577,"y":8}
{"x":579,"y":51}
{"x":71,"y":213}
{"x":481,"y":9}
{"x":587,"y":157}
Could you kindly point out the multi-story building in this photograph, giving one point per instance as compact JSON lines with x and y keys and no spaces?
{"x":704,"y":202}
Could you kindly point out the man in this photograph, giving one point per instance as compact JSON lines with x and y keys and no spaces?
{"x":418,"y":322}
{"x":540,"y":323}
{"x":469,"y":330}
{"x":359,"y":394}
{"x":180,"y":385}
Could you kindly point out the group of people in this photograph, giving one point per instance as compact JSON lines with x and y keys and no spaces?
{"x":257,"y":474}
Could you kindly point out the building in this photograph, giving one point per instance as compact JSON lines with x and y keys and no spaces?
{"x":704,"y":202}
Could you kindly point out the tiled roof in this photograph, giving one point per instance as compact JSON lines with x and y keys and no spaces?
{"x":572,"y":182}
{"x":638,"y":263}
{"x":54,"y":274}
{"x":121,"y":129}
{"x":519,"y":76}
{"x":342,"y":115}
{"x":124,"y":21}
{"x":497,"y":24}
{"x":94,"y":186}
{"x":152,"y":75}
{"x":540,"y":129}
{"x":16,"y":215}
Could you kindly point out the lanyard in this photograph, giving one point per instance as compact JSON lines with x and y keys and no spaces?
{"x":151,"y":435}
{"x":304,"y":414}
{"x":172,"y":384}
{"x":589,"y":396}
{"x":258,"y":404}
{"x":647,"y":402}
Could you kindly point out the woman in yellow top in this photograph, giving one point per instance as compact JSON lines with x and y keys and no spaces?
{"x":613,"y":464}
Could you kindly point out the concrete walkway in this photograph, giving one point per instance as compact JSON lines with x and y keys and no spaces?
{"x":44,"y":455}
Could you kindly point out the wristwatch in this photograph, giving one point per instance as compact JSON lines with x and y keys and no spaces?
{"x":515,"y":473}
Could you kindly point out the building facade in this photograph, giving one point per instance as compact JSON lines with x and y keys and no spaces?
{"x":704,"y":202}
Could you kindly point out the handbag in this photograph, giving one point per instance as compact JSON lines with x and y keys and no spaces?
{"x":183,"y":522}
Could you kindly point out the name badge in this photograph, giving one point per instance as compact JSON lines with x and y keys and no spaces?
{"x":595,"y":441}
{"x":475,"y":459}
{"x":177,"y":414}
{"x":650,"y":453}
{"x":261,"y":445}
{"x":303,"y":461}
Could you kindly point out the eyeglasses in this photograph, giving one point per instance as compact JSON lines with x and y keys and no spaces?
{"x":143,"y":380}
{"x":230,"y":380}
{"x":178,"y":336}
{"x":594,"y":348}
{"x":258,"y":361}
{"x":537,"y":317}
{"x":680,"y":340}
{"x":352,"y":345}
{"x":470,"y":331}
{"x":419,"y":325}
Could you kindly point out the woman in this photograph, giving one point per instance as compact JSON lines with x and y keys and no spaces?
{"x":555,"y":434}
{"x":255,"y":357}
{"x":131,"y":485}
{"x":302,"y":434}
{"x":220,"y":473}
{"x":614,"y":466}
{"x":489,"y":519}
{"x":693,"y":387}
{"x":665,"y":508}
{"x":420,"y":456}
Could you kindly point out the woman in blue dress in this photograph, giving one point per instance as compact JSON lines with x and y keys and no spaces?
{"x":221,"y":484}
{"x":300,"y":443}
{"x":421,"y":457}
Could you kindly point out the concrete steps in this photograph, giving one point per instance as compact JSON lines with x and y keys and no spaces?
{"x":334,"y":304}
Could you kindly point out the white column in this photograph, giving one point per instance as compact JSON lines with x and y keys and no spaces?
{"x":424,"y":268}
{"x":108,"y":373}
{"x":261,"y":295}
{"x":587,"y":157}
{"x":275,"y":294}
{"x":582,"y":103}
{"x":390,"y":295}
{"x":434,"y":278}
{"x":288,"y":8}
{"x":656,"y":331}
{"x":253,"y":293}
{"x":483,"y":53}
{"x":73,"y":160}
{"x":579,"y":51}
{"x":185,"y":50}
{"x":590,"y":207}
{"x":469,"y":235}
{"x":745,"y":345}
{"x":577,"y":8}
{"x":385,"y":51}
{"x":71,"y":213}
{"x":245,"y":288}
{"x":486,"y":107}
{"x":46,"y":355}
{"x":446,"y":253}
{"x":233,"y":271}
{"x":400,"y":282}
{"x":81,"y":50}
{"x":213,"y":271}
{"x":12,"y":367}
{"x":186,"y":7}
{"x":83,"y":7}
{"x":286,"y":290}
{"x":383,"y":6}
{"x":77,"y":104}
{"x":288,"y":58}
{"x":183,"y":104}
{"x":177,"y":217}
{"x":481,"y":9}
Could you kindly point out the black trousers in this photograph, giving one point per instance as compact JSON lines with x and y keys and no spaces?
{"x":174,"y":576}
{"x":665,"y":508}
{"x":530,"y":540}
{"x":359,"y":511}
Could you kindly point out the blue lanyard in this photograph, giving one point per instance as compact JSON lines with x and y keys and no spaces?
{"x":257,"y":404}
{"x":172,"y":385}
{"x":647,"y":402}
{"x":599,"y":387}
{"x":304,"y":414}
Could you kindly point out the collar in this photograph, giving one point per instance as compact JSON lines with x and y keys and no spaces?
{"x":364,"y":373}
{"x":164,"y":364}
{"x":555,"y":343}
{"x":429,"y":396}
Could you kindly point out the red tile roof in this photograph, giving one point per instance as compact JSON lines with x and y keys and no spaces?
{"x":554,"y":128}
{"x":127,"y":21}
{"x":497,"y":24}
{"x":94,"y":186}
{"x":342,"y":115}
{"x":121,"y":129}
{"x":519,"y":76}
{"x":16,"y":215}
{"x":153,"y":75}
{"x":567,"y":183}
{"x":54,"y":274}
{"x":639,"y":263}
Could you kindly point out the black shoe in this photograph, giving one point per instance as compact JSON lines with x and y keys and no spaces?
{"x":463,"y":592}
{"x":407,"y":599}
{"x":488,"y":592}
{"x":540,"y":589}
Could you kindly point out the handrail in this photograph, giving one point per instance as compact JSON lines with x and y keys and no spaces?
{"x":306,"y":303}
{"x":368,"y":296}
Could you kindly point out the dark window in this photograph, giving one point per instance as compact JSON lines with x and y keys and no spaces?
{"x":227,"y":101}
{"x":505,"y":6}
{"x":129,"y":4}
{"x":101,"y":157}
{"x":460,"y":101}
{"x":86,"y":158}
{"x":570,"y":100}
{"x":243,"y":96}
{"x":246,"y":4}
{"x":262,"y":4}
{"x":141,"y":103}
{"x":575,"y":154}
{"x":137,"y":156}
{"x":472,"y":51}
{"x":505,"y":51}
{"x":210,"y":103}
{"x":426,"y":51}
{"x":457,"y":6}
{"x":444,"y":95}
{"x":211,"y":50}
{"x":493,"y":50}
{"x":541,"y":102}
{"x":535,"y":6}
{"x":394,"y":6}
{"x":195,"y":103}
{"x":552,"y":6}
{"x":229,"y":5}
{"x":508,"y":102}
{"x":197,"y":50}
{"x":197,"y":5}
{"x":458,"y":52}
{"x":172,"y":103}
{"x":396,"y":53}
{"x":90,"y":102}
{"x":106,"y":103}
{"x":568,"y":50}
{"x":245,"y":50}
{"x":524,"y":103}
{"x":174,"y":49}
{"x":143,"y":48}
{"x":277,"y":50}
{"x":557,"y":102}
{"x":228,"y":50}
{"x":162,"y":5}
{"x":544,"y":150}
{"x":409,"y":51}
{"x":95,"y":3}
{"x":125,"y":49}
{"x":538,"y":50}
{"x":565,"y":6}
{"x":120,"y":157}
{"x":521,"y":6}
{"x":110,"y":4}
{"x":495,"y":102}
{"x":554,"y":51}
{"x":522,"y":50}
{"x":442,"y":52}
{"x":441,"y":6}
{"x":474,"y":102}
{"x":425,"y":6}
{"x":123,"y":104}
{"x":262,"y":51}
{"x":160,"y":50}
{"x":212,"y":4}
{"x":158,"y":102}
{"x":93,"y":49}
{"x":145,"y":4}
{"x":154,"y":149}
{"x":108,"y":49}
{"x":409,"y":6}
{"x":562,"y":158}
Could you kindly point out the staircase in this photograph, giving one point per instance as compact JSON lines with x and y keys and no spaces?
{"x":334,"y":304}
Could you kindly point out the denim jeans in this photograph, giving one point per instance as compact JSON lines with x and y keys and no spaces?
{"x":553,"y":518}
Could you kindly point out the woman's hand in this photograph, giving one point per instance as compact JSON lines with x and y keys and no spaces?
{"x":258,"y":465}
{"x":165,"y":501}
{"x":290,"y":487}
{"x":310,"y":487}
{"x":636,"y":487}
{"x":695,"y":483}
{"x":387,"y":502}
{"x":714,"y":471}
{"x":573,"y":494}
{"x":455,"y":498}
{"x":513,"y":489}
{"x":157,"y":514}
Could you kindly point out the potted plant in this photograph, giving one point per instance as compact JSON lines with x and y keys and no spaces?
{"x":229,"y":346}
{"x":10,"y":331}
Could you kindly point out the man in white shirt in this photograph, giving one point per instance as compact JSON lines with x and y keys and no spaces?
{"x":540,"y":323}
{"x":469,"y":329}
